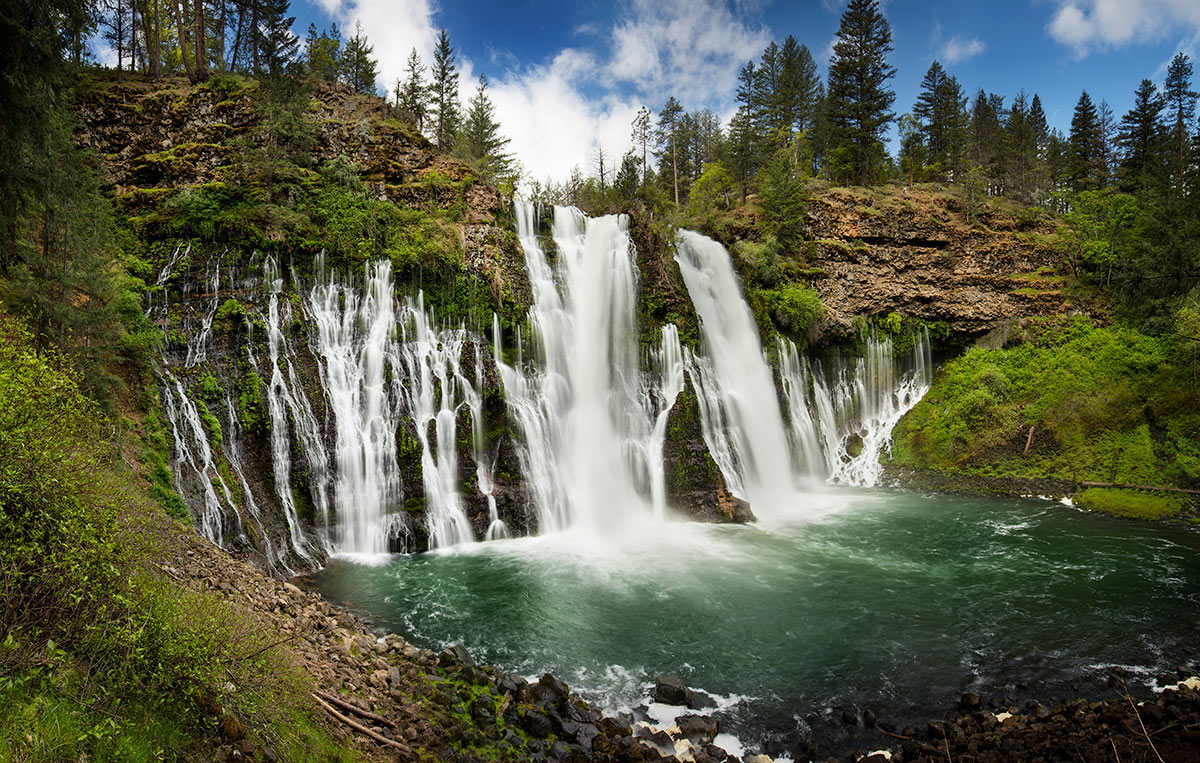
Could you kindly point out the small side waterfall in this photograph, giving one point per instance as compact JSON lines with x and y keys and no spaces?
{"x":743,"y":425}
{"x":592,"y":425}
{"x":842,"y":419}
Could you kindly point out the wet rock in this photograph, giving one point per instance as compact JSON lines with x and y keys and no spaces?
{"x":537,"y":724}
{"x":969,"y":701}
{"x":670,"y":690}
{"x":698,"y":728}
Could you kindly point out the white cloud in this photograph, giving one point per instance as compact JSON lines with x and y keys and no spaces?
{"x":393,"y":28}
{"x":557,"y":112}
{"x":957,"y":49}
{"x":691,"y":49}
{"x":553,"y":126}
{"x":1088,"y":25}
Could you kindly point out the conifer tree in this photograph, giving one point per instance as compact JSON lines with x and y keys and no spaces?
{"x":1142,"y":138}
{"x":479,"y":141}
{"x":412,"y":95}
{"x":668,"y":135}
{"x":642,"y":135}
{"x":358,"y":69}
{"x":859,"y":100}
{"x":277,"y":45}
{"x":1085,"y":149}
{"x":322,"y":52}
{"x":1181,"y":105}
{"x":939,"y":111}
{"x":444,"y":93}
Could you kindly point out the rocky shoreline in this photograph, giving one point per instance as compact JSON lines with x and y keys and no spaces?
{"x":390,"y":700}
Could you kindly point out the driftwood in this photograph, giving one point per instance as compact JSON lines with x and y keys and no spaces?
{"x":361,"y":728}
{"x":1029,"y":440}
{"x":356,"y":710}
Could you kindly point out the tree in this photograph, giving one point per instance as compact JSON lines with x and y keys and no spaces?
{"x":412,"y":96}
{"x":119,"y":32}
{"x":1142,"y":138}
{"x":444,"y":92}
{"x":782,"y":198}
{"x":709,"y":191}
{"x":1085,"y":152}
{"x":940,"y":114}
{"x":1181,"y":105}
{"x":273,"y":36}
{"x":358,"y":69}
{"x":480,"y":142}
{"x":322,"y":52}
{"x":628,"y":177}
{"x":859,"y":101}
{"x":668,"y":134}
{"x":741,"y":150}
{"x":642,"y":135}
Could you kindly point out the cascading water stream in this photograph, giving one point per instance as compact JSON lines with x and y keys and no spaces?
{"x":590,"y":424}
{"x":432,"y":363}
{"x":842,"y":423}
{"x":742,"y":422}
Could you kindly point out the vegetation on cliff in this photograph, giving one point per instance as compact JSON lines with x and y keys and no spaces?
{"x":1070,"y":400}
{"x":104,"y":655}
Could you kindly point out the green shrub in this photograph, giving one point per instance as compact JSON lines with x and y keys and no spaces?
{"x":795,"y":309}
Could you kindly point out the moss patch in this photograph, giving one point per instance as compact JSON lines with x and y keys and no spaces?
{"x":1132,"y":504}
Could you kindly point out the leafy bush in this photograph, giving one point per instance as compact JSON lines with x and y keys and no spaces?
{"x":795,"y":309}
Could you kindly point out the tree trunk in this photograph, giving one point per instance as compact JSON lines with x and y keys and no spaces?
{"x":183,"y":41}
{"x":198,"y":23}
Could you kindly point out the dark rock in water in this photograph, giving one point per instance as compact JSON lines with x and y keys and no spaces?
{"x":670,"y":690}
{"x":693,"y":479}
{"x":849,"y":718}
{"x":701,"y":729}
{"x":455,"y":655}
{"x":868,"y":717}
{"x":969,"y":701}
{"x":661,"y":741}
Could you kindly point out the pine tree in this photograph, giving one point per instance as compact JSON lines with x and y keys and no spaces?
{"x":1142,"y":138}
{"x":938,"y":111}
{"x":277,"y":45}
{"x":668,"y":134}
{"x":859,"y":101}
{"x":480,"y":142}
{"x":1085,"y":155}
{"x":358,"y":69}
{"x":444,"y":93}
{"x":322,"y":52}
{"x":741,"y":151}
{"x":412,"y":96}
{"x":1181,"y":105}
{"x":642,"y":135}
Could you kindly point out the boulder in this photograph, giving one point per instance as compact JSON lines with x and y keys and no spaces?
{"x":670,"y":690}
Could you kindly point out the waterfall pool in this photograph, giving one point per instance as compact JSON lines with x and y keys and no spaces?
{"x":885,"y":599}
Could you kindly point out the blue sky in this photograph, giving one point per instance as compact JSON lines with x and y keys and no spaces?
{"x":568,"y":76}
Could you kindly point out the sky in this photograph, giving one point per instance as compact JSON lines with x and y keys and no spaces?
{"x":567,"y":76}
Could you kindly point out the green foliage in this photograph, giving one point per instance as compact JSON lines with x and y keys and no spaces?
{"x":1132,"y":504}
{"x":709,"y":192}
{"x":212,"y":426}
{"x":100,"y":658}
{"x":250,"y":405}
{"x":782,"y":199}
{"x":796,"y":309}
{"x":1103,"y":404}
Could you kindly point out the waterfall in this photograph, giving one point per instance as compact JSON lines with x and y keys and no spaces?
{"x":842,"y":420}
{"x":432,"y":363}
{"x":196,"y":463}
{"x":740,"y":414}
{"x":839,"y":421}
{"x":373,"y":379}
{"x":592,"y":425}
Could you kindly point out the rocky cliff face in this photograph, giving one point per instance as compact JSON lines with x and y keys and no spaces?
{"x":913,"y":252}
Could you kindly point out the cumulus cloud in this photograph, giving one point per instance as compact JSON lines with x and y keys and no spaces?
{"x":394,"y":28}
{"x":958,"y":49}
{"x":687,"y":48}
{"x":1087,"y":25}
{"x":557,"y":112}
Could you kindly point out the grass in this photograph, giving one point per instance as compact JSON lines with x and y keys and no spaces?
{"x":1132,"y":504}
